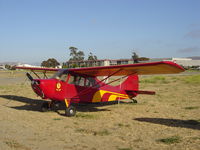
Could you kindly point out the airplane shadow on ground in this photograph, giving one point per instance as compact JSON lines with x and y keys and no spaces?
{"x":35,"y":104}
{"x":30,"y":104}
{"x":191,"y":124}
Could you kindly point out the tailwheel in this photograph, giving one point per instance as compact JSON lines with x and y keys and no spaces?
{"x":134,"y":100}
{"x":70,"y":111}
{"x":45,"y":107}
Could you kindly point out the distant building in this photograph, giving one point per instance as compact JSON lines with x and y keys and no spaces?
{"x":93,"y":63}
{"x":2,"y":67}
{"x":26,"y":65}
{"x":186,"y":62}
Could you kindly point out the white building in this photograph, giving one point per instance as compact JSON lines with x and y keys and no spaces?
{"x":2,"y":67}
{"x":186,"y":62}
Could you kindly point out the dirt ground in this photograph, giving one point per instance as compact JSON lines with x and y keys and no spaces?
{"x":168,"y":120}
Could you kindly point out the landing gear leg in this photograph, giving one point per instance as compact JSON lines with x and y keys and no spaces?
{"x":70,"y":110}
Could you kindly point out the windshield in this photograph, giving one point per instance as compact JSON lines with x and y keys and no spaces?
{"x":60,"y":75}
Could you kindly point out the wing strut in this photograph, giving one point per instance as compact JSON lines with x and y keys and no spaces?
{"x":36,"y":74}
{"x":108,"y":77}
{"x":119,"y":78}
{"x":44,"y":74}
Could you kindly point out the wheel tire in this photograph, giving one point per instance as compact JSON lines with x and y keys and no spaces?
{"x":70,"y":111}
{"x":134,"y":100}
{"x":45,"y":107}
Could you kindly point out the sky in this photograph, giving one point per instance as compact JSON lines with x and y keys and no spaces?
{"x":35,"y":30}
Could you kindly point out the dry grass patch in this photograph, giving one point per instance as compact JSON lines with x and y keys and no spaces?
{"x":124,"y":148}
{"x":86,"y":116}
{"x":121,"y":125}
{"x":15,"y":145}
{"x":191,"y":107}
{"x":194,"y":79}
{"x":155,"y":79}
{"x":57,"y":119}
{"x":170,"y":140}
{"x":102,"y":132}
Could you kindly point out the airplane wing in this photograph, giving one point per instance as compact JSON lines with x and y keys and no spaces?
{"x":37,"y":69}
{"x":163,"y":67}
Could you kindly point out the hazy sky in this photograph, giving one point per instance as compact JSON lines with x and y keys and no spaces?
{"x":35,"y":30}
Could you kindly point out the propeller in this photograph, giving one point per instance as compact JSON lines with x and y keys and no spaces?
{"x":29,"y":76}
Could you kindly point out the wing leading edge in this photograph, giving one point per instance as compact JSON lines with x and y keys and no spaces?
{"x":163,"y":67}
{"x":37,"y":69}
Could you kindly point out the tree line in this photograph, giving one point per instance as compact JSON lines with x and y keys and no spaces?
{"x":77,"y":56}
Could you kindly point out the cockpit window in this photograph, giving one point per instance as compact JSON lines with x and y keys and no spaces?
{"x":77,"y":80}
{"x":82,"y":81}
{"x":61,"y":75}
{"x":90,"y":82}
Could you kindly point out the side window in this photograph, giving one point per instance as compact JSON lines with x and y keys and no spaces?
{"x":90,"y":82}
{"x":64,"y":77}
{"x":72,"y":79}
{"x":77,"y":80}
{"x":82,"y":81}
{"x":87,"y":83}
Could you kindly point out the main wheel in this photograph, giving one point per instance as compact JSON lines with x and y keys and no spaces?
{"x":70,"y":111}
{"x":134,"y":100}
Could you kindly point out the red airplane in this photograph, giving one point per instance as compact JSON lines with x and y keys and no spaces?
{"x":80,"y":85}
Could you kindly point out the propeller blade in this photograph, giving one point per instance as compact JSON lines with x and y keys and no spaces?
{"x":29,"y":76}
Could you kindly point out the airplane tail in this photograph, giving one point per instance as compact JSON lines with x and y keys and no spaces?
{"x":131,"y":87}
{"x":130,"y":84}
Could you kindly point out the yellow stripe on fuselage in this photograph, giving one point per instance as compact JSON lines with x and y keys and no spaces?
{"x":113,"y":96}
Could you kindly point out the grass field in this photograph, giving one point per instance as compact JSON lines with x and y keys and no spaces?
{"x":168,"y":120}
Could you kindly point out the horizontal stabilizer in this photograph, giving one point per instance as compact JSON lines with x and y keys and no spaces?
{"x":133,"y":92}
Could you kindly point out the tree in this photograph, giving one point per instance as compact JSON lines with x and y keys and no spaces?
{"x":135,"y":57}
{"x":8,"y":67}
{"x":92,"y":57}
{"x":51,"y":62}
{"x":80,"y":55}
{"x":75,"y":54}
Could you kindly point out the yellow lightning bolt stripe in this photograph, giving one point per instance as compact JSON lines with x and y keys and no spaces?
{"x":114,"y":97}
{"x":99,"y":94}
